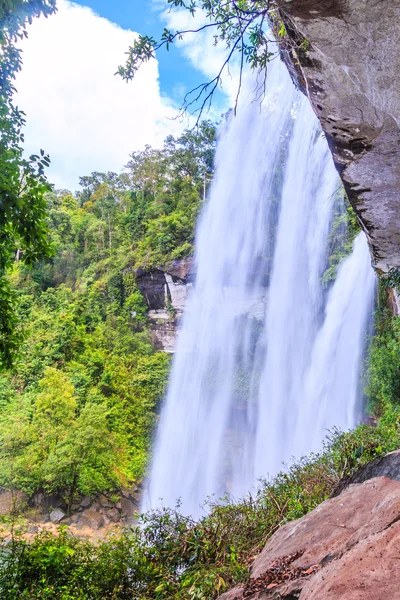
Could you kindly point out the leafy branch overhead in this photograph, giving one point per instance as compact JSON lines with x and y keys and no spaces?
{"x":241,"y":26}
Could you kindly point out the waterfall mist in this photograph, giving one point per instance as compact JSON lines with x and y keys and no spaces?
{"x":267,"y":358}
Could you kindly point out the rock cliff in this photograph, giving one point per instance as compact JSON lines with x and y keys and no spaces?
{"x":345,"y":55}
{"x":345,"y":549}
{"x":165,"y":291}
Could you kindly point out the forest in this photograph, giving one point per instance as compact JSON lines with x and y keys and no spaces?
{"x":79,"y":405}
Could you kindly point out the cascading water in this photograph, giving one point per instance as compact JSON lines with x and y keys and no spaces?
{"x":267,"y":360}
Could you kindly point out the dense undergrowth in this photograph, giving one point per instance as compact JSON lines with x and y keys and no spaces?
{"x":173,"y":557}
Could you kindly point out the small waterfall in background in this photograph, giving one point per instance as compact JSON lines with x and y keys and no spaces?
{"x":267,"y":359}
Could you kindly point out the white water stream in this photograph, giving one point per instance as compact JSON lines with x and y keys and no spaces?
{"x":267,"y":359}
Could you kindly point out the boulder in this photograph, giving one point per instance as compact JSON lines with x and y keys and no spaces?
{"x":128,"y":507}
{"x":56,"y":515}
{"x":10,"y":501}
{"x":385,"y":466}
{"x":86,"y":502}
{"x":90,"y":518}
{"x":370,"y":570}
{"x":342,"y":550}
{"x":335,"y":525}
{"x":104,"y":501}
{"x":113,"y":515}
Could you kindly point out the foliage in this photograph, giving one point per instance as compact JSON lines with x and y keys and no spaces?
{"x":344,"y":229}
{"x":173,"y":557}
{"x":169,"y":187}
{"x":392,"y":280}
{"x":80,"y":404}
{"x":47,"y":445}
{"x":23,"y":231}
{"x":383,"y":363}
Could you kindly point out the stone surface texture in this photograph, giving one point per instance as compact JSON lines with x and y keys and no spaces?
{"x":56,"y":515}
{"x":349,"y":67}
{"x":352,"y":540}
{"x":165,"y":291}
{"x":10,"y":501}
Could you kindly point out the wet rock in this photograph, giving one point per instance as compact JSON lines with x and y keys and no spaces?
{"x":344,"y":56}
{"x":165,"y":291}
{"x":56,"y":515}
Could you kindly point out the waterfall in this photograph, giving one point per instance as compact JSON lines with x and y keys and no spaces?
{"x":267,"y":359}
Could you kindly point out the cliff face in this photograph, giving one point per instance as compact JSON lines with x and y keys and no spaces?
{"x":345,"y":549}
{"x":345,"y":55}
{"x":165,"y":291}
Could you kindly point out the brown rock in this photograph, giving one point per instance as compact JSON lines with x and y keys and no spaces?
{"x":104,"y":501}
{"x":348,"y":548}
{"x":10,"y":501}
{"x":91,"y":518}
{"x":368,"y":571}
{"x":234,"y":594}
{"x":114,"y":515}
{"x":334,"y":526}
{"x":128,"y":507}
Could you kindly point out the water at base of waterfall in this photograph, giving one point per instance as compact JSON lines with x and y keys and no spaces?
{"x":267,"y":358}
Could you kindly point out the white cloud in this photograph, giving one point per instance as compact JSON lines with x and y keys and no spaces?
{"x":77,"y":109}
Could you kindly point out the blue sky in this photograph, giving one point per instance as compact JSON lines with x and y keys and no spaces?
{"x":85,"y":116}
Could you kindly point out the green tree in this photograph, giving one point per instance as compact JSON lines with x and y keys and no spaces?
{"x":55,"y":408}
{"x":23,"y":230}
{"x":88,"y":459}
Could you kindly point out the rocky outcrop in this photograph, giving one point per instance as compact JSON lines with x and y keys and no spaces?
{"x":165,"y":291}
{"x":12,"y":501}
{"x":345,"y":549}
{"x":345,"y":55}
